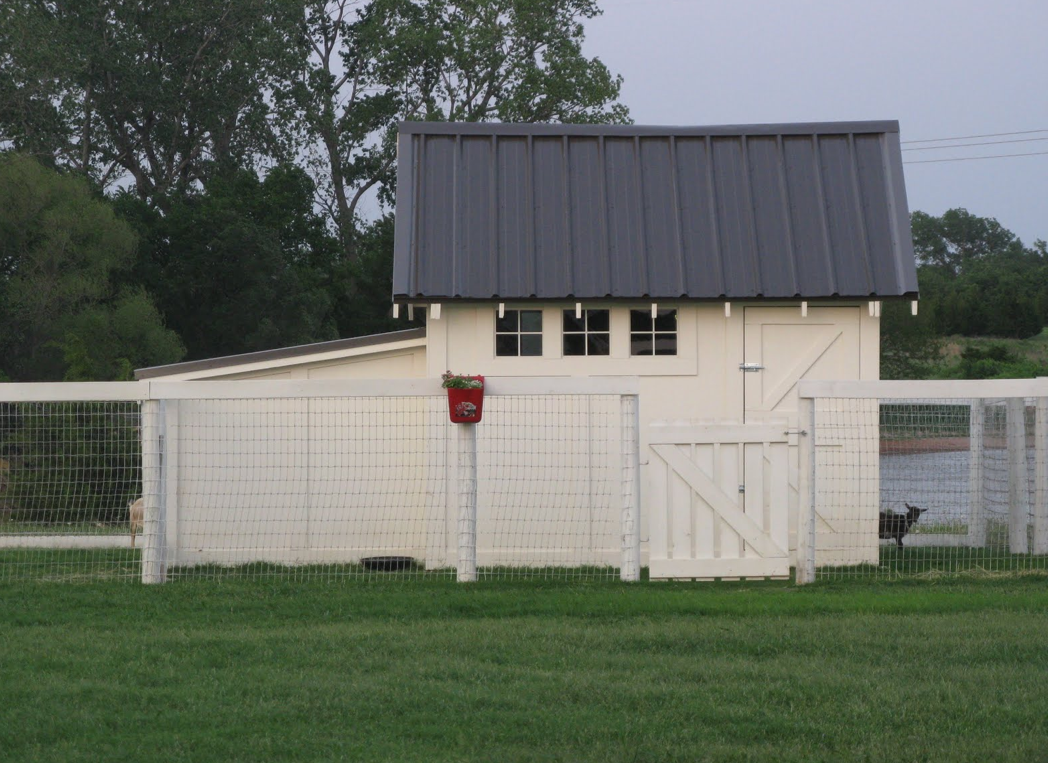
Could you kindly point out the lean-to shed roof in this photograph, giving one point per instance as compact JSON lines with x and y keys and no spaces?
{"x":778,"y":211}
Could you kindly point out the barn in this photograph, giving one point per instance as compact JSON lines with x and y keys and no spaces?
{"x":717,"y":265}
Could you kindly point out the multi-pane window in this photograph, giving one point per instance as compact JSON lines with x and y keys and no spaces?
{"x":519,"y":332}
{"x":588,"y":335}
{"x":653,"y":336}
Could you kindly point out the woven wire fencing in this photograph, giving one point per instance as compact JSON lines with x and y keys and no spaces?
{"x":318,"y":487}
{"x":927,"y":487}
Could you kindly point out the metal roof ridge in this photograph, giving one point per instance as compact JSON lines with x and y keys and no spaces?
{"x":562,"y":129}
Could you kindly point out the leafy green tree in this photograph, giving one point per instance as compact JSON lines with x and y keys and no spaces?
{"x":976,"y":277}
{"x":156,"y":92}
{"x":376,"y":63}
{"x":63,"y":310}
{"x":371,"y":279}
{"x":958,"y":238}
{"x":245,"y":265}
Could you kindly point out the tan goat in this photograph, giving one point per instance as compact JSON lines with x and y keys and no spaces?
{"x":136,"y":510}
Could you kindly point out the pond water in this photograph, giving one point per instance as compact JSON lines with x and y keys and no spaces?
{"x":938,"y":482}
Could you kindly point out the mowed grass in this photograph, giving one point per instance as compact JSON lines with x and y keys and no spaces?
{"x":241,"y":670}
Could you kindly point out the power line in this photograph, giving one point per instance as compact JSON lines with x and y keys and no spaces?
{"x":975,"y":158}
{"x":972,"y":137}
{"x":981,"y":143}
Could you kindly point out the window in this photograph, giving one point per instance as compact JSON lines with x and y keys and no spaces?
{"x":519,"y":332}
{"x":653,"y":336}
{"x":588,"y":335}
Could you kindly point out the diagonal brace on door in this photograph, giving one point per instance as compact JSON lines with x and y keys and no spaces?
{"x":747,"y":529}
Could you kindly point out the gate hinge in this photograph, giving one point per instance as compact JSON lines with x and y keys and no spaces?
{"x":748,"y":367}
{"x":802,"y":432}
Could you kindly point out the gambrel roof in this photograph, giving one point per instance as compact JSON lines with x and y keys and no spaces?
{"x":778,"y":211}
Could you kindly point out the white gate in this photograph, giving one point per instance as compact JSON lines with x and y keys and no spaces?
{"x":718,"y":501}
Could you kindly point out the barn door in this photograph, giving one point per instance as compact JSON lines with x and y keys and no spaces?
{"x":781,"y":348}
{"x":718,"y":503}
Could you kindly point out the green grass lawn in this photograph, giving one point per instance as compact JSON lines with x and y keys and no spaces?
{"x":205,"y":670}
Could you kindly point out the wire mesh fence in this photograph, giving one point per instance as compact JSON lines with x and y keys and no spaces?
{"x":317,"y":486}
{"x":930,"y":486}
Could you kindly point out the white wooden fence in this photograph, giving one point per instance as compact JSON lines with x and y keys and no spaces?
{"x":331,"y":472}
{"x":839,"y":461}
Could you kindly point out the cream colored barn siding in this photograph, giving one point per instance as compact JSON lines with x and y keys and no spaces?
{"x":702,"y":384}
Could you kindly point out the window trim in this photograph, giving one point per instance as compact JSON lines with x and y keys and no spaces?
{"x":619,"y":363}
{"x":586,"y":333}
{"x":655,"y":332}
{"x":520,"y":333}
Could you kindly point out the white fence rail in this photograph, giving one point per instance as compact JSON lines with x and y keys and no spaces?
{"x":923,"y":477}
{"x":340,"y":478}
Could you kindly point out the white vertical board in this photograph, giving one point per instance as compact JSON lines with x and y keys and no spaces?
{"x":976,"y":481}
{"x":1018,"y":480}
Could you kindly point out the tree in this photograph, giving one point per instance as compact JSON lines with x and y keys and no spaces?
{"x":463,"y":60}
{"x":976,"y":277}
{"x":62,"y":307}
{"x":244,"y":265}
{"x":158,"y":92}
{"x":958,"y":238}
{"x":371,"y":279}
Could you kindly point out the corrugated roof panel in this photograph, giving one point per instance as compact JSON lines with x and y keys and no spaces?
{"x":589,"y":235}
{"x":625,"y":244}
{"x":475,"y":210}
{"x":771,"y":215}
{"x":843,"y":214}
{"x":435,"y":242}
{"x":661,"y":210}
{"x":590,"y":211}
{"x":700,"y":247}
{"x":814,"y":265}
{"x":516,"y":250}
{"x":876,"y":210}
{"x":404,"y":227}
{"x":552,"y":241}
{"x":738,"y":242}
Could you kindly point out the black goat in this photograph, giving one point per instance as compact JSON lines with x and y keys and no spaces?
{"x":895,"y":526}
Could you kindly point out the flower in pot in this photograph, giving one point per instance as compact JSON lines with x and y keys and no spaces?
{"x":465,"y":396}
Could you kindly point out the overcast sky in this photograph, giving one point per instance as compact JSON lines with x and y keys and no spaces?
{"x":942,"y":68}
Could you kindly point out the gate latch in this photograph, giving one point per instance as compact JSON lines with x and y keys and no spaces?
{"x":750,"y":367}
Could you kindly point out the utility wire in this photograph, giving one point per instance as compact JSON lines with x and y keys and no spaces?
{"x":975,"y":158}
{"x":981,"y":143}
{"x":972,"y":137}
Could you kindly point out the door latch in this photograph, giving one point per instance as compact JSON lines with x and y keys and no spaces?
{"x":750,"y":367}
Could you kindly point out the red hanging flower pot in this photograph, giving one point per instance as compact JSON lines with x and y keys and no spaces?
{"x":465,"y":397}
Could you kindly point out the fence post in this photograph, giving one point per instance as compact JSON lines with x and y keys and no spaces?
{"x":467,"y":524}
{"x":169,"y":470}
{"x":1040,"y":506}
{"x":1018,"y":485}
{"x":154,"y":543}
{"x":630,"y":570}
{"x":806,"y":490}
{"x":976,"y":500}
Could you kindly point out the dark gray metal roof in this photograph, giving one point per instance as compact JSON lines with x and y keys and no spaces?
{"x":283,"y":353}
{"x":506,"y":211}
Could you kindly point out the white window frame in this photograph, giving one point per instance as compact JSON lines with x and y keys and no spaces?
{"x":519,"y":333}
